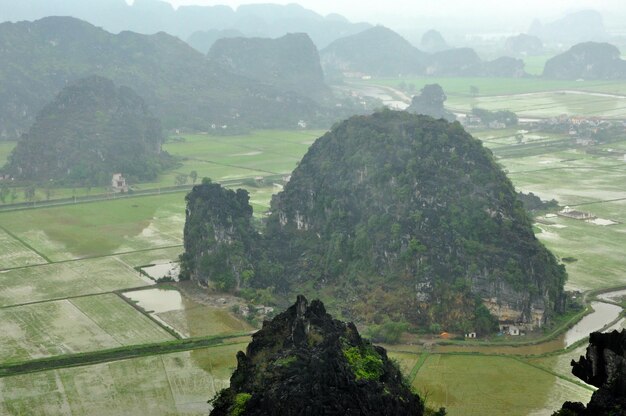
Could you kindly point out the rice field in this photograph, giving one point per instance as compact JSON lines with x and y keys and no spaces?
{"x":15,"y":254}
{"x":73,"y":326}
{"x":100,"y":228}
{"x":487,"y":385}
{"x":161,"y":385}
{"x":68,"y":279}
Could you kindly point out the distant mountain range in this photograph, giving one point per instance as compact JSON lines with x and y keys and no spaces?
{"x":180,"y":85}
{"x":152,"y":16}
{"x":380,"y":51}
{"x":582,"y":26}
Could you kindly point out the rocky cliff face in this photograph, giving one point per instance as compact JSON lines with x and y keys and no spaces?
{"x":604,"y":367}
{"x":219,"y":237}
{"x":303,"y":362}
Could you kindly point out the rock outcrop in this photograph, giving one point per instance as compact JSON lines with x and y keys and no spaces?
{"x":304,"y":362}
{"x":589,"y":60}
{"x":604,"y":366}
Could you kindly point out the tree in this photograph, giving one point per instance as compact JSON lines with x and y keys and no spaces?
{"x":180,"y":179}
{"x":194,"y":176}
{"x":474,"y":91}
{"x":29,"y":193}
{"x":13,"y":195}
{"x":4,"y":193}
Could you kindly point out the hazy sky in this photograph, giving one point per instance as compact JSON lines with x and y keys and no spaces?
{"x":402,"y":11}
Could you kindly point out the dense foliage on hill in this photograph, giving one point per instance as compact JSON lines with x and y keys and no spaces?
{"x":589,"y":60}
{"x":291,"y":62}
{"x":408,"y":217}
{"x":304,"y":362}
{"x":382,"y":52}
{"x":508,"y":118}
{"x":219,"y":237}
{"x":90,"y":131}
{"x":180,"y":85}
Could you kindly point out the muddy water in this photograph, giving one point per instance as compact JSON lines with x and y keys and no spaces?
{"x":159,"y":271}
{"x":157,"y":300}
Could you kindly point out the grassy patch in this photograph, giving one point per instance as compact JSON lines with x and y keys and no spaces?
{"x":101,"y":228}
{"x":479,"y":385}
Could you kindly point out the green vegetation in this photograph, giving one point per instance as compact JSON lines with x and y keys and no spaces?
{"x":239,"y":403}
{"x":365,"y":362}
{"x":96,"y":229}
{"x":379,"y":204}
{"x":152,"y":64}
{"x":95,"y":130}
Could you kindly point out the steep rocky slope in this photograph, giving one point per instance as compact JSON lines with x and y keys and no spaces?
{"x":303,"y":362}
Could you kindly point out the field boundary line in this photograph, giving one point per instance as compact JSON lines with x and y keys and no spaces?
{"x":418,"y":366}
{"x":97,"y":256}
{"x":86,"y":295}
{"x":142,"y":311}
{"x":115,"y":354}
{"x":28,"y":246}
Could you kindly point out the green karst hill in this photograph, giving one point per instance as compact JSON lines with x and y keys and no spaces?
{"x":91,"y":130}
{"x":394,"y":215}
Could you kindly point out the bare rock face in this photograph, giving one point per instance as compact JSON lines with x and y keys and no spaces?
{"x":604,"y":366}
{"x":304,"y":362}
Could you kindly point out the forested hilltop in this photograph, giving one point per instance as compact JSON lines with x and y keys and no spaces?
{"x":394,"y":214}
{"x":90,"y":131}
{"x":180,"y":85}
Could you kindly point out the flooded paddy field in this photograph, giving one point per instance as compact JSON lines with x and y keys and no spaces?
{"x":171,"y":384}
{"x":73,"y":326}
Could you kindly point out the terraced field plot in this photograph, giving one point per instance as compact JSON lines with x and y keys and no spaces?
{"x":186,"y":317}
{"x":68,"y":279}
{"x":71,"y":326}
{"x":14,"y":253}
{"x":547,"y":104}
{"x":171,"y":384}
{"x":479,"y":385}
{"x":95,"y":229}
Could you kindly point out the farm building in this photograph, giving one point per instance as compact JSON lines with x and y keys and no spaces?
{"x":118,"y":183}
{"x":576,"y":215}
